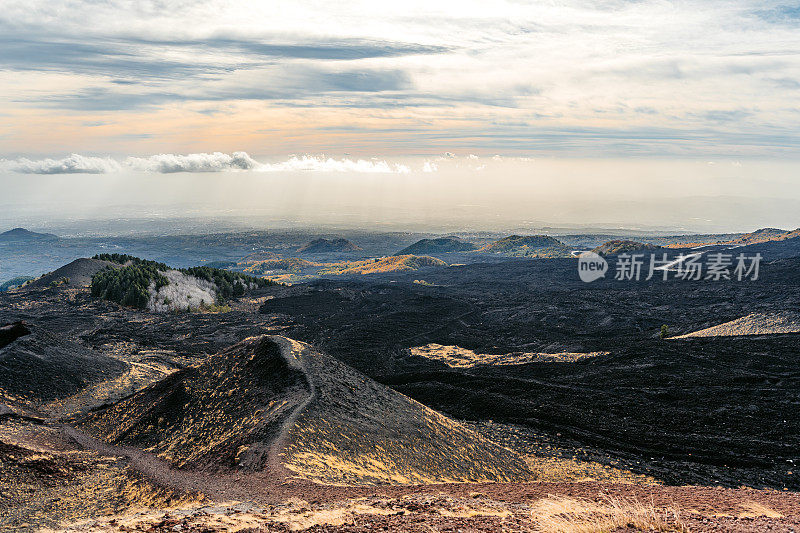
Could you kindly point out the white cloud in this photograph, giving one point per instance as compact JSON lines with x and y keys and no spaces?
{"x":309,"y":163}
{"x":430,"y":167}
{"x":214,"y":162}
{"x":204,"y":162}
{"x":72,"y":164}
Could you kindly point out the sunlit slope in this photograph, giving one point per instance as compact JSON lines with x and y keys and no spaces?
{"x":270,"y":402}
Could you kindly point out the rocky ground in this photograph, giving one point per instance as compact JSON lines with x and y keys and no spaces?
{"x":606,"y":436}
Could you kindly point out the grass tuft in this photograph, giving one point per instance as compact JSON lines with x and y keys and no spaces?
{"x":569,"y":515}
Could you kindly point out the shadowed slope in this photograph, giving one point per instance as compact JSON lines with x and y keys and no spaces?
{"x":42,"y":367}
{"x":221,"y":413}
{"x":327,"y":246}
{"x":75,"y":274}
{"x":271,"y":401}
{"x":437,"y":246}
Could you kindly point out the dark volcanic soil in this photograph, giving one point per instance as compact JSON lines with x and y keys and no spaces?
{"x":708,"y":412}
{"x":719,"y":411}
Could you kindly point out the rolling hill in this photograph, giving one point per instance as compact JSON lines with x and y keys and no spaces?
{"x":396,"y":263}
{"x":78,"y":273}
{"x":617,"y":247}
{"x":24,"y":235}
{"x":765,"y":235}
{"x":328,"y":246}
{"x":437,"y":246}
{"x":527,"y":246}
{"x":270,"y":402}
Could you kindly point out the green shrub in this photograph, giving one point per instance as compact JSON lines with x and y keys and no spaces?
{"x":129,"y":284}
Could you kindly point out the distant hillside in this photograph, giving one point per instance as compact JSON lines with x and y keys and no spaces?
{"x":274,"y":403}
{"x":14,"y":283}
{"x":327,"y":246}
{"x":78,"y":273}
{"x":766,"y":235}
{"x":396,"y":263}
{"x":225,"y":265}
{"x":21,"y":234}
{"x":760,"y":236}
{"x":771,"y":246}
{"x":291,"y":264}
{"x":440,"y":245}
{"x":527,"y":246}
{"x":625,"y":247}
{"x":255,"y":257}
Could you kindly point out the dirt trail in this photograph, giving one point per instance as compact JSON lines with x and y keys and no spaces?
{"x":293,"y":352}
{"x":217,"y":486}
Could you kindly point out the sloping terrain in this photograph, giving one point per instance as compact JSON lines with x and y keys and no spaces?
{"x":255,"y":257}
{"x":292,"y":264}
{"x":24,"y":235}
{"x":617,"y":247}
{"x":355,"y":430}
{"x":398,"y":263}
{"x":75,"y":274}
{"x":294,"y":269}
{"x":269,"y":400}
{"x":155,"y":286}
{"x":771,"y":243}
{"x":527,"y":246}
{"x":752,"y":324}
{"x":327,"y":246}
{"x":683,"y":412}
{"x":14,"y":283}
{"x":440,"y":245}
{"x":766,"y":235}
{"x":40,"y":366}
{"x":707,"y":412}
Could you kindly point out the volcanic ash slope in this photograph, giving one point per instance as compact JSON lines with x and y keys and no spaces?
{"x":271,"y":402}
{"x":752,"y":324}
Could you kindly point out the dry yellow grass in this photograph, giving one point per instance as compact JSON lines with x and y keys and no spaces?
{"x":458,"y":357}
{"x":571,"y":515}
{"x":399,"y":263}
{"x":755,"y":509}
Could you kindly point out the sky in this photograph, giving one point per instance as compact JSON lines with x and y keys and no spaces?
{"x":615,"y":92}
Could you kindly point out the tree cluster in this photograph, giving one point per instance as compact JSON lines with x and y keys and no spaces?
{"x":130,"y":284}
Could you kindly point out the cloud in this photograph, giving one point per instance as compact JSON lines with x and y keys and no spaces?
{"x":785,"y":14}
{"x":72,"y":164}
{"x":341,"y":49}
{"x":177,"y":59}
{"x":99,"y":57}
{"x":202,"y":162}
{"x":288,"y":83}
{"x":310,"y":163}
{"x":214,"y":162}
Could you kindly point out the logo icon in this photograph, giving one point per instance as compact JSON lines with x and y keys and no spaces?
{"x":591,"y":267}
